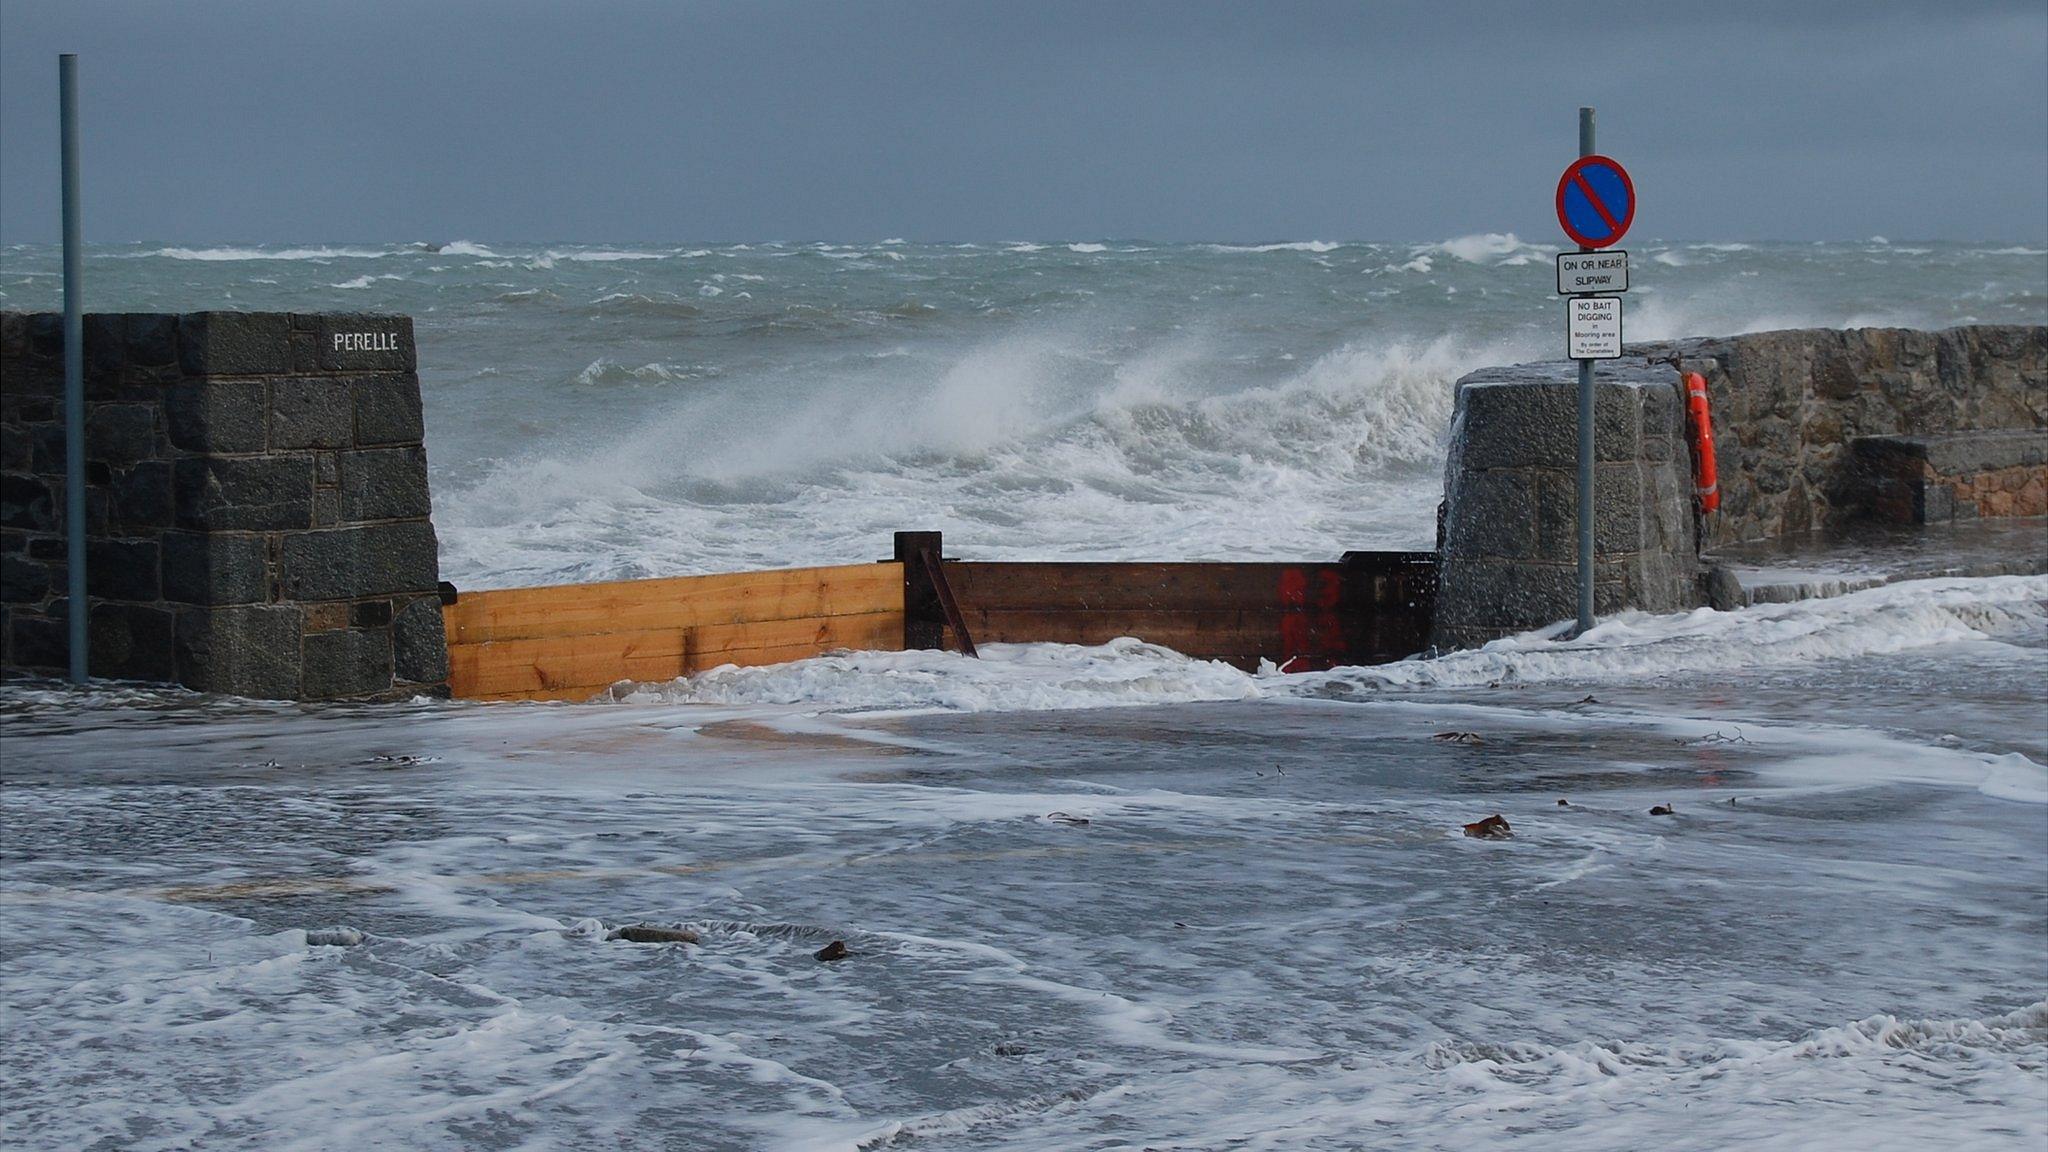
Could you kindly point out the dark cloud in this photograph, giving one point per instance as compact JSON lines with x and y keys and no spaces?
{"x":379,"y":120}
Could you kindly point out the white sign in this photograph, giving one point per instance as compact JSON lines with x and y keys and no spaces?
{"x":1592,"y":272}
{"x":1593,"y":327}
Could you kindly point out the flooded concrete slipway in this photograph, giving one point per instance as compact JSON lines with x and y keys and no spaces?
{"x":1093,"y":898}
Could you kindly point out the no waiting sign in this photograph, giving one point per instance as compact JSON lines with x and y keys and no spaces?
{"x":1596,"y":202}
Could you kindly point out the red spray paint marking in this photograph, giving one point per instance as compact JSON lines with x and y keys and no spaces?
{"x":1311,"y":630}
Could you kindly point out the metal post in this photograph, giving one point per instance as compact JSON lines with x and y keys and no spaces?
{"x":1585,"y":438}
{"x":74,"y":371}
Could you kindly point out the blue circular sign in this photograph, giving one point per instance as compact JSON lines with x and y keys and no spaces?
{"x":1596,"y":202}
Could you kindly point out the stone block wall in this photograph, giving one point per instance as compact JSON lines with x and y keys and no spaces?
{"x":1786,"y":406}
{"x":256,"y":502}
{"x":1509,"y":547}
{"x":1955,"y":476}
{"x":1812,"y":428}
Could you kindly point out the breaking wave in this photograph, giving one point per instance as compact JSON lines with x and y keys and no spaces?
{"x":603,"y":371}
{"x":1487,"y":248}
{"x":217,"y":254}
{"x":1021,"y":447}
{"x":1283,"y":246}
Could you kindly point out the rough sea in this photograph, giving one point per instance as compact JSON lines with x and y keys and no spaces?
{"x":643,"y":410}
{"x":1101,"y":898}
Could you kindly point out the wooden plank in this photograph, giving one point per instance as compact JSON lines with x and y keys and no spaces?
{"x":1176,"y":586}
{"x":519,"y":667}
{"x":674,"y":602}
{"x":1370,"y":607}
{"x":561,"y":667}
{"x":662,"y":654}
{"x":924,"y":618}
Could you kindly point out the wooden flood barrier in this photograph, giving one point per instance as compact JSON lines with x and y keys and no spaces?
{"x":573,"y":641}
{"x":1368,"y":608}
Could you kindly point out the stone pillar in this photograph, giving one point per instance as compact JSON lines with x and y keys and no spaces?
{"x":258,"y":516}
{"x":1509,"y":553}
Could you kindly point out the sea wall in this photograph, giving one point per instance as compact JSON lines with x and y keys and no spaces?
{"x":256,"y":503}
{"x":1788,"y":407}
{"x":1813,"y":428}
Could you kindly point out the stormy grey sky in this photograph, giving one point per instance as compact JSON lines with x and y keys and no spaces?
{"x":501,"y":120}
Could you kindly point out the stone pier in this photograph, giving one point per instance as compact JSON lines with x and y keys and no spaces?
{"x":257,"y":506}
{"x":1817,"y":431}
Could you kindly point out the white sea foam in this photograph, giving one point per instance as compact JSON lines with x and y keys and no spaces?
{"x":467,"y":248}
{"x":218,"y":254}
{"x":607,"y":371}
{"x":1483,"y":247}
{"x":1007,"y":678}
{"x":1087,"y":247}
{"x":1282,"y":246}
{"x":601,"y":255}
{"x":1637,"y":646}
{"x":2015,"y":777}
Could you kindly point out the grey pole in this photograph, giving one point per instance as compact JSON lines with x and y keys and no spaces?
{"x":74,"y":371}
{"x":1585,"y":438}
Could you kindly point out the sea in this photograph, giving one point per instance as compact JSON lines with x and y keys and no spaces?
{"x":1097,"y":897}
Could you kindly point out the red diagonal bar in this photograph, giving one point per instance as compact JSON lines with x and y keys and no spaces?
{"x":1585,"y":189}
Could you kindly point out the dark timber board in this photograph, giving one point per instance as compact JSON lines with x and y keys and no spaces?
{"x":1371,"y":607}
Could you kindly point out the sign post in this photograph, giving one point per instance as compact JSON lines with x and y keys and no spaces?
{"x":74,"y":369}
{"x":1596,"y":203}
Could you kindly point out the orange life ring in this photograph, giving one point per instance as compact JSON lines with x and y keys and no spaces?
{"x":1705,"y":480}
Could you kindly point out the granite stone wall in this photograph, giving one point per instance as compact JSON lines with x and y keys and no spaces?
{"x":256,"y":502}
{"x":1952,"y":476}
{"x":1509,"y":547}
{"x":1787,"y":405}
{"x":1812,"y":429}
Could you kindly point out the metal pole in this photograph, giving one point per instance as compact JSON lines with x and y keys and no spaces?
{"x":1585,"y":438}
{"x":74,"y":371}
